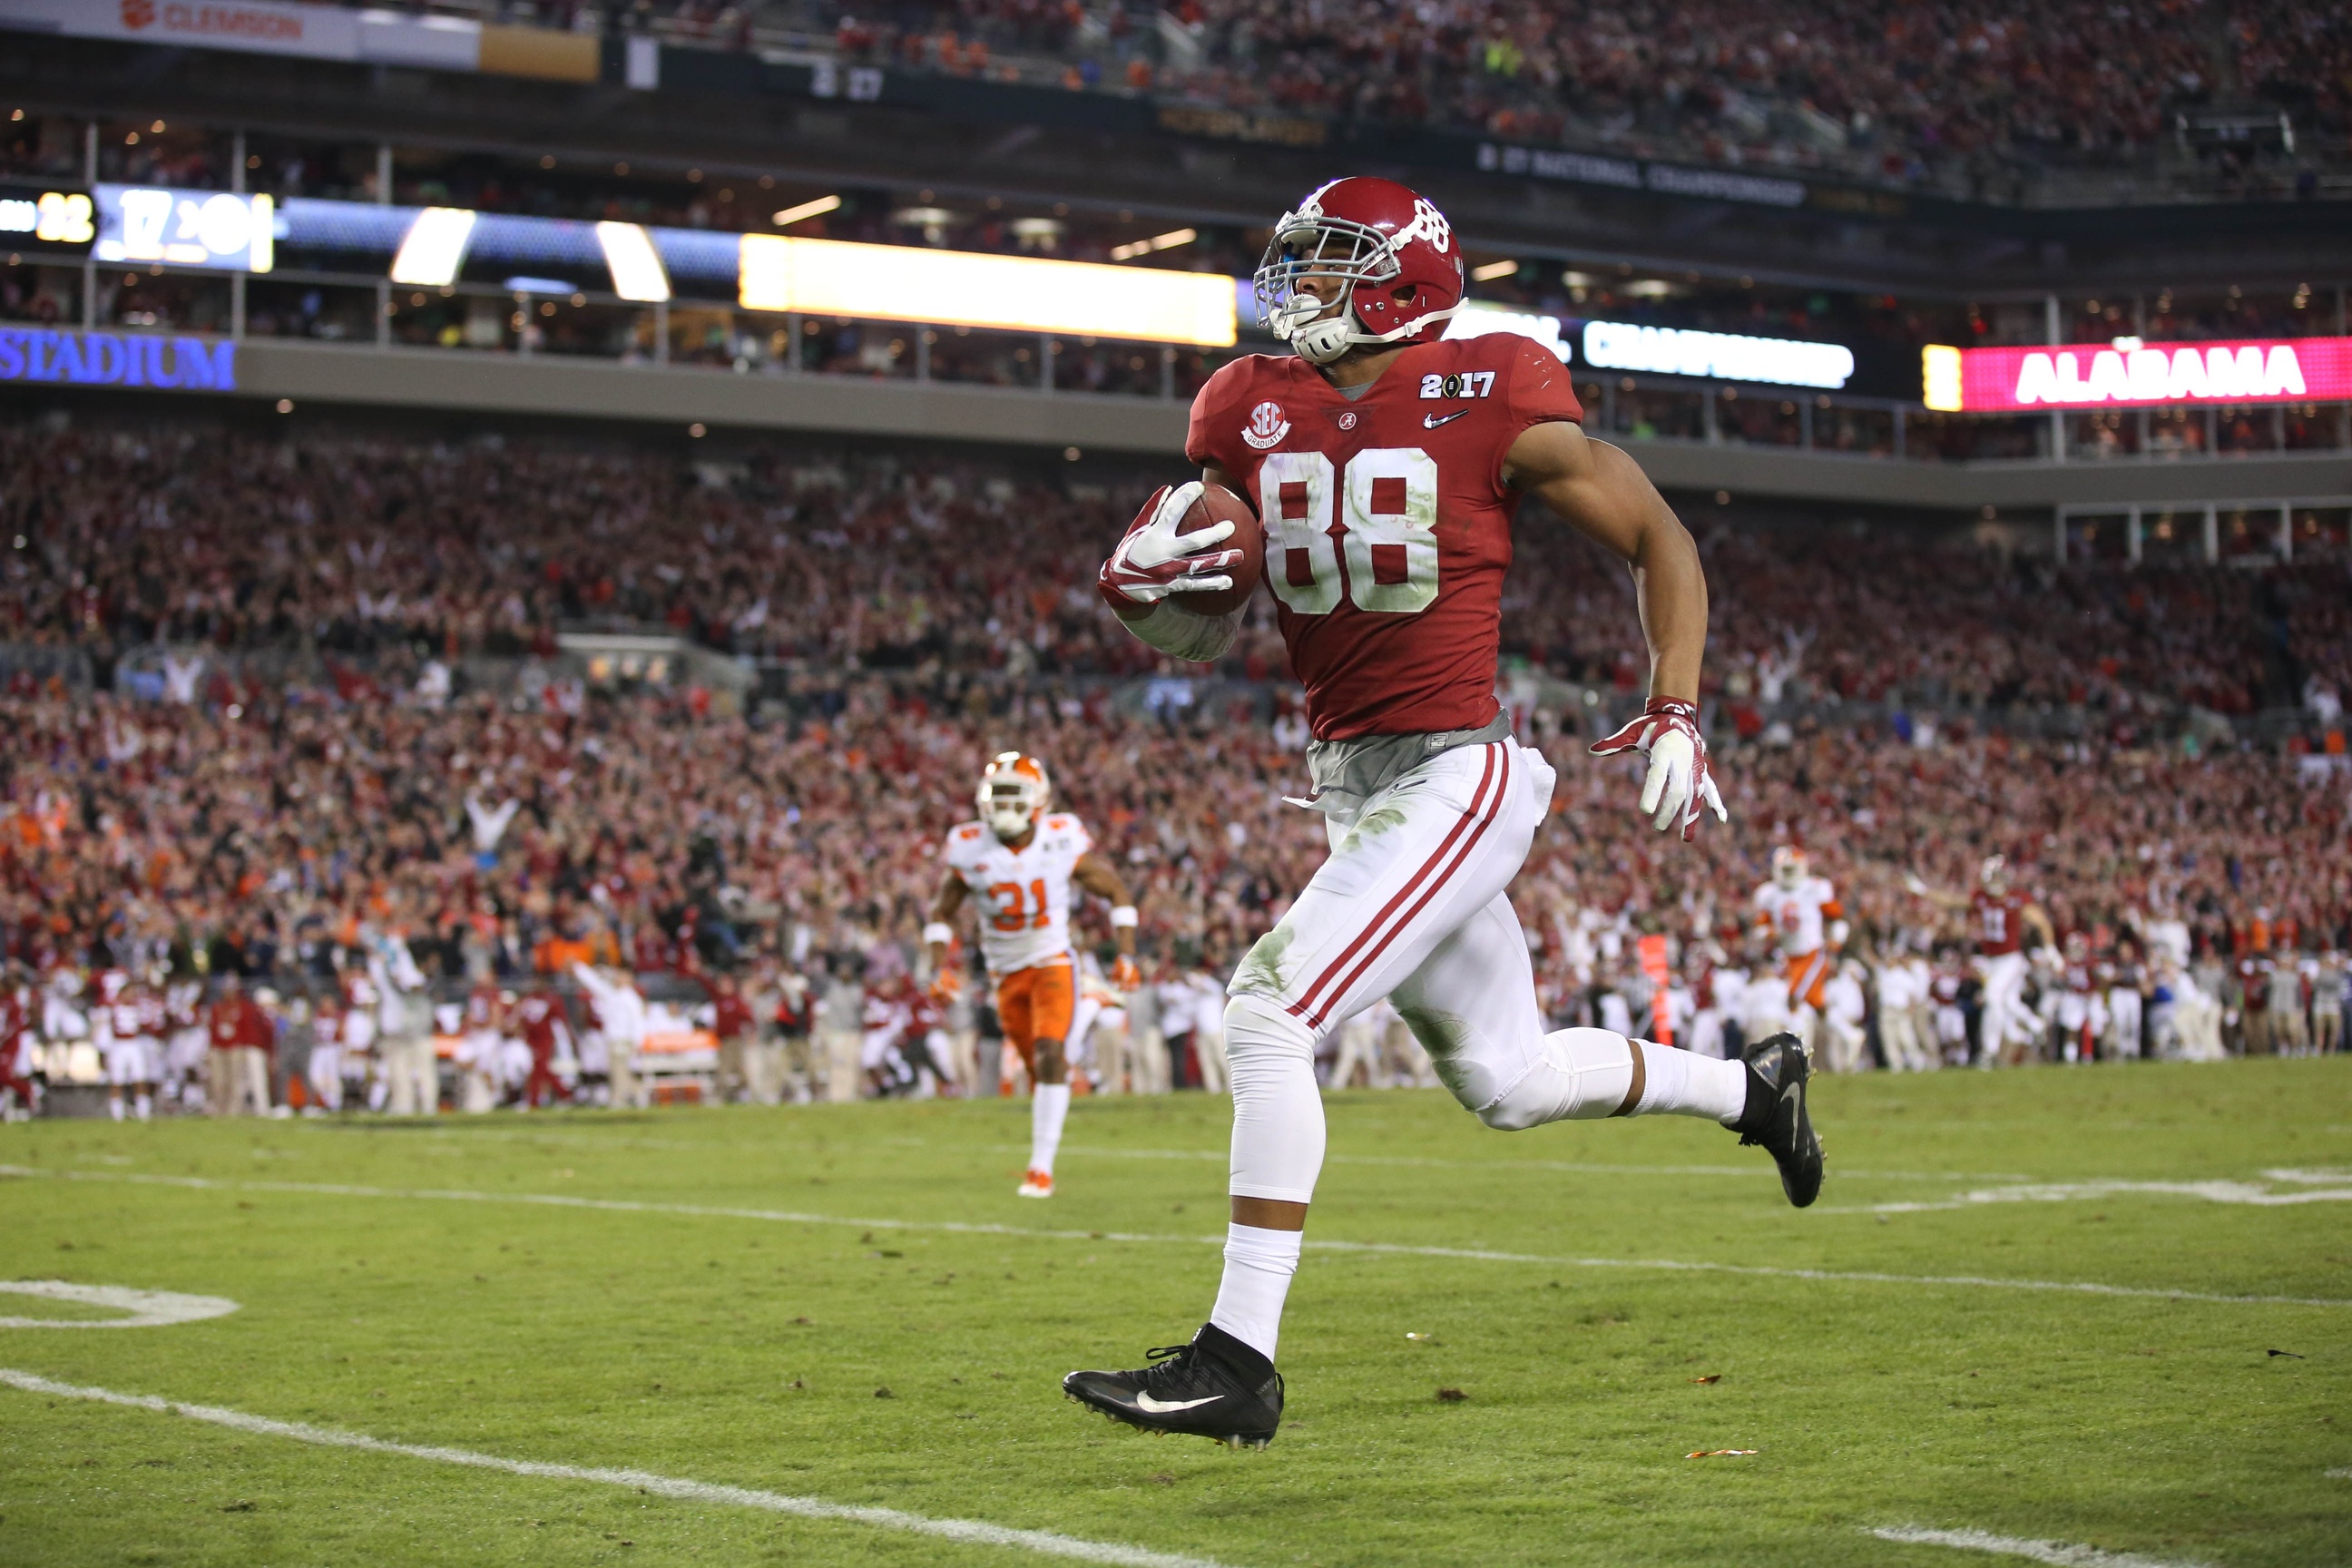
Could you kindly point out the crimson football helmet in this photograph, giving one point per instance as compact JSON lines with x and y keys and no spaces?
{"x":1013,"y":792}
{"x":1385,"y":254}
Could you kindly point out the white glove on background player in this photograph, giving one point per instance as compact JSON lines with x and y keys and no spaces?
{"x":1154,"y":561}
{"x":1679,"y":782}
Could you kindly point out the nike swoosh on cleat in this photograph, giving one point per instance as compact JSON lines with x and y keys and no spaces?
{"x":1432,"y":421}
{"x":1145,"y":1403}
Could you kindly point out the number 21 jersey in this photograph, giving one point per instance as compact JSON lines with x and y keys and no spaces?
{"x":1024,"y":894}
{"x":1387,"y":526}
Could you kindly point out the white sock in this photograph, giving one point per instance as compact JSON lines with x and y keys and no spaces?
{"x":114,"y":1107}
{"x":143,"y":1108}
{"x":1258,"y":1266}
{"x":1047,"y":1109}
{"x":1684,"y":1083}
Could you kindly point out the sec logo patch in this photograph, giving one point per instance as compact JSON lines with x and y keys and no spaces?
{"x":1267,"y":426}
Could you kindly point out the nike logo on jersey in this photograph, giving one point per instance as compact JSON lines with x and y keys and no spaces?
{"x":1145,"y":1403}
{"x":1432,"y":421}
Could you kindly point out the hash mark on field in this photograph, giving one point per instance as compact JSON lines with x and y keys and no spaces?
{"x":2063,"y":1554}
{"x":1375,"y":1249}
{"x":972,"y":1532}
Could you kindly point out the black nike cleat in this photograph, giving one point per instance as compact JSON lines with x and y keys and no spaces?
{"x":1215,"y":1387}
{"x":1774,"y":1116}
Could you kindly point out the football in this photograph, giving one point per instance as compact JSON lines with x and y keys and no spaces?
{"x":1216,"y":505}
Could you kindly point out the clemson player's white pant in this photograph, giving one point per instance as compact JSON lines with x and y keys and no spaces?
{"x":1411,"y":906}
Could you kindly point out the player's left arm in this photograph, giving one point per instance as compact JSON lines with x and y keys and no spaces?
{"x":2038,"y":917}
{"x":1100,"y":878}
{"x":1603,"y":494}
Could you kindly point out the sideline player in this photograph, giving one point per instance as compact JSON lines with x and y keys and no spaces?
{"x":1802,"y":913}
{"x":1385,"y":464}
{"x":1023,"y":860}
{"x":1998,"y":918}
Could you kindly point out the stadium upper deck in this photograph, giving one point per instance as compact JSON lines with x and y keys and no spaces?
{"x":1699,"y":311}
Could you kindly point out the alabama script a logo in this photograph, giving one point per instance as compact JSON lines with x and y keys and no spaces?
{"x":1266,"y":426}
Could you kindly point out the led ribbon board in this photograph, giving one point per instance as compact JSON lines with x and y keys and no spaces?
{"x":901,"y":283}
{"x":52,"y":218}
{"x":185,"y":229}
{"x":1722,"y":357}
{"x":1475,"y":318}
{"x":2128,"y":373}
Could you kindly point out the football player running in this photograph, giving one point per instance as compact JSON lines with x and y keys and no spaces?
{"x":1023,"y":860}
{"x":1385,"y":464}
{"x":1801,"y":914}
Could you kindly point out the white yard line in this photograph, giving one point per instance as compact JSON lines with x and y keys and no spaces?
{"x":1371,"y":1248}
{"x":1574,"y":1167}
{"x":2060,"y":1554}
{"x":2252,"y":1194}
{"x":971,"y":1531}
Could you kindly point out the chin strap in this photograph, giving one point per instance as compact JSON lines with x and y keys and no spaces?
{"x":1324,"y":342}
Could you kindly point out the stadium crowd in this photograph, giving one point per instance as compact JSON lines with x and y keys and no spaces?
{"x":383,"y":556}
{"x":1910,"y":88}
{"x":390,"y":804}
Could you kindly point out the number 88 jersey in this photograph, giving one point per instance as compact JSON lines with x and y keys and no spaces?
{"x":1387,"y":526}
{"x":1023,"y":895}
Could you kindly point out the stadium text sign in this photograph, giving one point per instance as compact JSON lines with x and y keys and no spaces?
{"x":1728,"y":356}
{"x":109,"y":359}
{"x":2129,"y":373}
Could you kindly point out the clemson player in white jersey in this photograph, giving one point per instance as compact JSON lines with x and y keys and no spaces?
{"x":1022,"y":861}
{"x":1801,"y":914}
{"x":1385,"y":464}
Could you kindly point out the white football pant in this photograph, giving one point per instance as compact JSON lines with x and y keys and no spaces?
{"x":2005,"y":1018}
{"x":1411,"y":906}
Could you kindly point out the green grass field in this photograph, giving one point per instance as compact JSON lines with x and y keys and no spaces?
{"x":699,"y":1294}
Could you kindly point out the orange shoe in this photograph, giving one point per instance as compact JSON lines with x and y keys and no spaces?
{"x":1036,"y":1184}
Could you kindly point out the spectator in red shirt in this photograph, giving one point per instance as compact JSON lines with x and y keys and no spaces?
{"x":732,"y":1020}
{"x":243,"y":1036}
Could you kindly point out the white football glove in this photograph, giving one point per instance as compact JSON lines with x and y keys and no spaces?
{"x":1154,"y":561}
{"x":1679,"y":782}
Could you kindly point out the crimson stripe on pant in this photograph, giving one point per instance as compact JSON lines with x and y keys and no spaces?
{"x":1307,"y":998}
{"x":1476,"y":827}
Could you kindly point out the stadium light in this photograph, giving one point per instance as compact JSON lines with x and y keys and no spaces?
{"x":434,"y":248}
{"x":1169,"y":241}
{"x":817,"y":208}
{"x":902,"y":283}
{"x":637,"y":267}
{"x":1492,"y":270}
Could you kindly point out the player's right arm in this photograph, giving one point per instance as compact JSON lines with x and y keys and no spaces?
{"x":1936,"y":896}
{"x":1154,"y":566}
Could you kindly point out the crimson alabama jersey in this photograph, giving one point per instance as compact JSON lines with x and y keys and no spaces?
{"x":1024,"y":894}
{"x":1794,"y":915}
{"x":1999,"y":921}
{"x":1387,"y":526}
